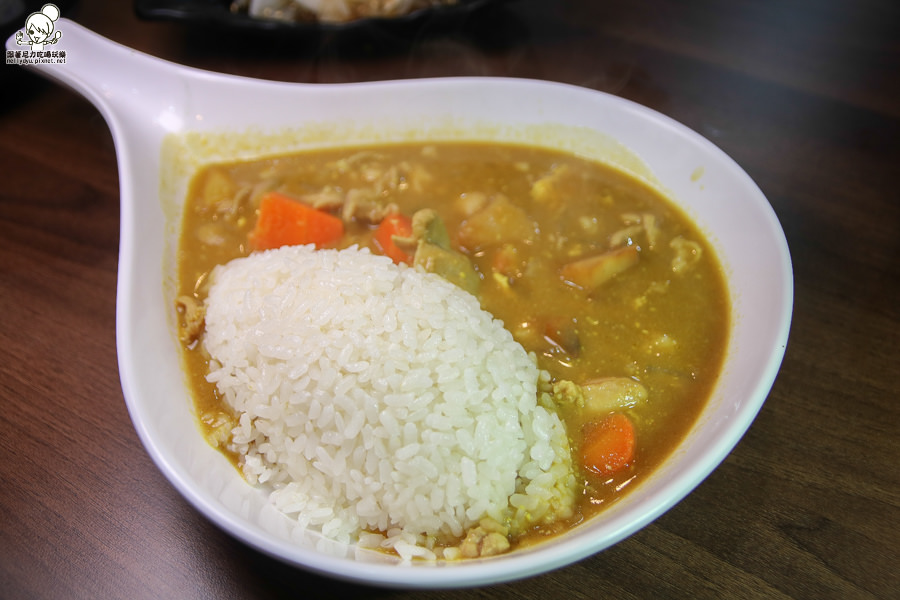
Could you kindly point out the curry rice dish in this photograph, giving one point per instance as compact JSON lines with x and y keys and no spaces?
{"x":448,"y":350}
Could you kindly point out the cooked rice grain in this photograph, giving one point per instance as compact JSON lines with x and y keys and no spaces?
{"x":378,"y":398}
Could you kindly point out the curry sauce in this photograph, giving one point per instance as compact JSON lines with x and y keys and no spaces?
{"x":606,"y":282}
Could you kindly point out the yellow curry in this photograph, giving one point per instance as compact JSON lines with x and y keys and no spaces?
{"x":612,"y":288}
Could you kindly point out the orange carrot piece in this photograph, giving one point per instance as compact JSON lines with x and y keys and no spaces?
{"x":285,"y":222}
{"x":608,"y":445}
{"x":394,"y":225}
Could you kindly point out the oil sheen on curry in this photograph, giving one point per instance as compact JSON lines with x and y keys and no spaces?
{"x":611,"y":288}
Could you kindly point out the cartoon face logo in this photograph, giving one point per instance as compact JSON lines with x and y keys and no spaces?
{"x":39,"y":27}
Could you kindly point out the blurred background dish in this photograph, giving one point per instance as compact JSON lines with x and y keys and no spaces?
{"x":289,"y":15}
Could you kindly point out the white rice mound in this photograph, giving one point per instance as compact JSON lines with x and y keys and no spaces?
{"x":381,"y":404}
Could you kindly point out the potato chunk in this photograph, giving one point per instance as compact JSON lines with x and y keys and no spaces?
{"x":612,"y":393}
{"x":500,"y":221}
{"x":592,"y":272}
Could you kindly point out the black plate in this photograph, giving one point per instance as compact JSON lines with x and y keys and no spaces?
{"x":218,"y":13}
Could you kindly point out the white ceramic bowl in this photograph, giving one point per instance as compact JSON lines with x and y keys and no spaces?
{"x":167,"y":120}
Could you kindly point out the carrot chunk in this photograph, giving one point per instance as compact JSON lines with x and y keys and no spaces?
{"x":608,"y":445}
{"x":392,"y":226}
{"x":285,"y":222}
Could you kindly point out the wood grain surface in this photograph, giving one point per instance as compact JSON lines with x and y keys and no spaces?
{"x":804,"y":95}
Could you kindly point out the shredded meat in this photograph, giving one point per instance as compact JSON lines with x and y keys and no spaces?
{"x":355,"y":205}
{"x":327,"y":199}
{"x":636,"y":224}
{"x":489,"y":538}
{"x":567,"y":392}
{"x":192,"y":318}
{"x":687,"y":253}
{"x":364,"y":206}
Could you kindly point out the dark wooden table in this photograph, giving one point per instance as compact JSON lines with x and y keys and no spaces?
{"x":805,"y":95}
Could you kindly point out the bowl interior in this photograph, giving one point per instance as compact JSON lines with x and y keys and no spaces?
{"x":209,"y":121}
